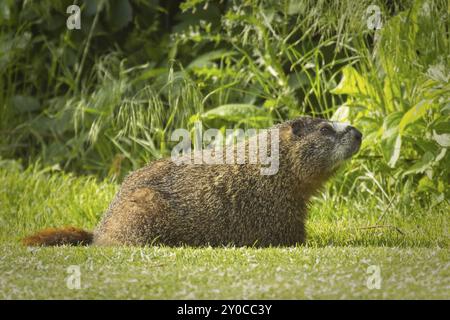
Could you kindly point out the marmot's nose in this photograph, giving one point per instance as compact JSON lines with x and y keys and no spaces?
{"x":356,"y":133}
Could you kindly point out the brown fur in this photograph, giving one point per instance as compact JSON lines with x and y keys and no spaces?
{"x":62,"y":236}
{"x":197,"y":205}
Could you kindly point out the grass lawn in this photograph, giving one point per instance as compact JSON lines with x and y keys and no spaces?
{"x":409,"y":248}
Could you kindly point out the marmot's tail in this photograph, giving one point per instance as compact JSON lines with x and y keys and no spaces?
{"x":58,"y":237}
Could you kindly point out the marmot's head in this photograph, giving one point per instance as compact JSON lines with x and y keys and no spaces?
{"x":316,"y":147}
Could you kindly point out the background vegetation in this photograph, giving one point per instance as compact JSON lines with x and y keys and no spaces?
{"x":104,"y":99}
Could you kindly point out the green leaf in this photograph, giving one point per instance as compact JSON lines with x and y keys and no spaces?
{"x":23,"y":104}
{"x":395,"y":151}
{"x":424,"y":144}
{"x":442,"y":125}
{"x":442,"y":139}
{"x":425,"y":184}
{"x":205,"y":59}
{"x":120,"y":14}
{"x":5,"y":10}
{"x":341,"y":114}
{"x":414,"y":114}
{"x":299,"y":80}
{"x":352,"y":83}
{"x":391,"y":93}
{"x":391,"y":139}
{"x":234,"y":112}
{"x":421,"y":165}
{"x":390,"y":125}
{"x":441,"y":155}
{"x":296,"y":7}
{"x":150,"y":73}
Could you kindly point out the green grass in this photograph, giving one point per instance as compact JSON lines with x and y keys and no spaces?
{"x":228,"y":273}
{"x":411,"y":249}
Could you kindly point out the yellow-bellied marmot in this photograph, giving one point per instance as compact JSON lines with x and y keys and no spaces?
{"x":221,"y":204}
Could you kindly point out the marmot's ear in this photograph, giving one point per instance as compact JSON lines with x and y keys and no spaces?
{"x":298,"y":127}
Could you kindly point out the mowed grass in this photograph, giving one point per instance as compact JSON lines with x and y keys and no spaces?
{"x":226,"y":273}
{"x":346,"y":237}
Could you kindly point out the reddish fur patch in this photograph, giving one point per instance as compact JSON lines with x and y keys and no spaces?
{"x":58,"y":237}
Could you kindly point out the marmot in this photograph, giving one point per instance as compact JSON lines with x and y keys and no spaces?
{"x":222,"y":204}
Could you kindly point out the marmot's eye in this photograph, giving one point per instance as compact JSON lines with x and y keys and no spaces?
{"x":326,"y":130}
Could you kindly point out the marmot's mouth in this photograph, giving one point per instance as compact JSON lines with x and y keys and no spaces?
{"x":349,"y":147}
{"x":356,"y":137}
{"x":352,"y":150}
{"x":356,"y":146}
